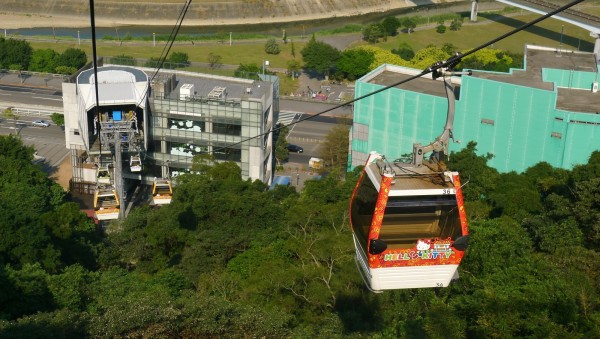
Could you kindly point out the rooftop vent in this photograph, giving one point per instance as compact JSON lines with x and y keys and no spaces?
{"x":186,"y":91}
{"x":218,"y":93}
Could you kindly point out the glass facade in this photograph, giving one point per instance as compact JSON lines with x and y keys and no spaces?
{"x":181,"y":129}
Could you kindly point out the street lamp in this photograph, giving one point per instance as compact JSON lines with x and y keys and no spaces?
{"x":154,"y":39}
{"x":562,"y":30}
{"x":264,"y":65}
{"x":78,"y":39}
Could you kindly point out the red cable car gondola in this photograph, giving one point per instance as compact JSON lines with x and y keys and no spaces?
{"x":408,"y":219}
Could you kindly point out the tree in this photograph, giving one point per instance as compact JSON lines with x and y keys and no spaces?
{"x":214,"y":60}
{"x":334,"y":149}
{"x":383,"y":56}
{"x":15,"y":52}
{"x":355,"y":63}
{"x":409,"y":24}
{"x":488,"y":59}
{"x":66,"y":70}
{"x":449,"y":48}
{"x":28,"y":292}
{"x":441,"y":29}
{"x":587,"y":210}
{"x":319,"y":56}
{"x":428,"y":56}
{"x":179,"y":59}
{"x":281,"y":151}
{"x":391,"y":25}
{"x":483,"y":179}
{"x":152,"y":62}
{"x":293,"y":67}
{"x":9,"y":113}
{"x":248,"y":71}
{"x":519,"y":199}
{"x":456,"y":24}
{"x":373,"y":33}
{"x":72,"y":57}
{"x":405,"y":51}
{"x":58,"y":118}
{"x":44,"y":60}
{"x":271,"y":47}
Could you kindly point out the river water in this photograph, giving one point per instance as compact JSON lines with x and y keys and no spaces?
{"x":305,"y":28}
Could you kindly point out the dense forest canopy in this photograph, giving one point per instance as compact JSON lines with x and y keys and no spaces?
{"x":228,"y":258}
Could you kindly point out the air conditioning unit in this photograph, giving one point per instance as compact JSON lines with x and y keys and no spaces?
{"x":595,"y":87}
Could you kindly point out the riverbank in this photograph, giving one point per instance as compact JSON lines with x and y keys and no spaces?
{"x":205,"y":16}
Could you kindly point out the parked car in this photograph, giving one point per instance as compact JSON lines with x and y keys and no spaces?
{"x":41,"y":123}
{"x":295,"y":148}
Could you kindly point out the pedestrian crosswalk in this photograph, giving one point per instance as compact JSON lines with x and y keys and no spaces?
{"x":287,"y":117}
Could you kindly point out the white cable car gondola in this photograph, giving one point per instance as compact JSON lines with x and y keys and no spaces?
{"x":408,"y":219}
{"x":106,"y":203}
{"x":103,"y":175}
{"x":162,"y":192}
{"x":135,"y":163}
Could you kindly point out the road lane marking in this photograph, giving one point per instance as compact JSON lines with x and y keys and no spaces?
{"x":47,"y":98}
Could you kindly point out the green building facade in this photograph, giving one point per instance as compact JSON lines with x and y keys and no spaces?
{"x":520,"y":125}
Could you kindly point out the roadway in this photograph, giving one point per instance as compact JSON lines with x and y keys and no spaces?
{"x":50,"y":143}
{"x":30,"y":96}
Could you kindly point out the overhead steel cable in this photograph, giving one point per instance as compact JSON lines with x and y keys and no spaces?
{"x":171,"y":39}
{"x":435,"y":68}
{"x":168,"y":45}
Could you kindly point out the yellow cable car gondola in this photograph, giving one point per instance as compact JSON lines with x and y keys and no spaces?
{"x":408,"y":219}
{"x":106,"y":203}
{"x":162,"y":192}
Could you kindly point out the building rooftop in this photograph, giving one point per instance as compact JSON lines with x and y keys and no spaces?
{"x":390,"y":75}
{"x":537,"y":59}
{"x":116,"y":85}
{"x":214,"y":86}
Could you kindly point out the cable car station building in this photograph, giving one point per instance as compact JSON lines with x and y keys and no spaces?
{"x":163,"y":123}
{"x":548,"y":111}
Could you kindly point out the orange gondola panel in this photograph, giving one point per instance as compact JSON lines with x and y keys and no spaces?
{"x":409,"y":225}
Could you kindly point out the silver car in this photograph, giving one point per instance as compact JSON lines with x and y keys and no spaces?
{"x":41,"y":123}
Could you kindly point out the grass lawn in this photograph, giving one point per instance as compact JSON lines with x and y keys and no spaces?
{"x":546,"y":33}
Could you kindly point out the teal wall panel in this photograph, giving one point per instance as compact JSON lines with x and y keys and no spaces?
{"x":519,"y":125}
{"x":569,"y":78}
{"x":583,"y":132}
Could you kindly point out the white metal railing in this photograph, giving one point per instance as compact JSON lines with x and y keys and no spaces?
{"x":20,"y":111}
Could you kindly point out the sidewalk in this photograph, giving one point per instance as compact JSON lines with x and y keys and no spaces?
{"x":32,"y":79}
